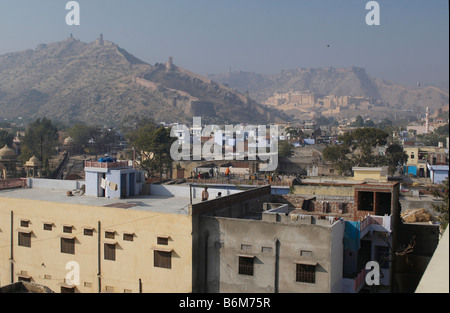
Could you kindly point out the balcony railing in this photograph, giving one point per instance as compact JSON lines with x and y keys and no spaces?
{"x":354,"y":285}
{"x":13,"y":183}
{"x":107,"y":165}
{"x":376,"y":223}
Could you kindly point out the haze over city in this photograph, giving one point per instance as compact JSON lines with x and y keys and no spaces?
{"x":410,"y":44}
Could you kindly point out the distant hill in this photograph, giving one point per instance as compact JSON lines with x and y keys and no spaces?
{"x":353,"y":81}
{"x":101,"y":83}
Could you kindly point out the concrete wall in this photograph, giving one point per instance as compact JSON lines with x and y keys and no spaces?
{"x":183,"y":191}
{"x":68,"y":185}
{"x":368,"y":175}
{"x":45,"y":263}
{"x":221,"y":242}
{"x":324,"y":190}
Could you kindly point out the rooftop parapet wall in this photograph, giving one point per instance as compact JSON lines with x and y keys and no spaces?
{"x":288,"y":216}
{"x":107,"y":165}
{"x":314,"y":206}
{"x":253,"y":195}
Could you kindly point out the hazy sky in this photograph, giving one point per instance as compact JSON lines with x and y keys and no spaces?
{"x":263,"y":36}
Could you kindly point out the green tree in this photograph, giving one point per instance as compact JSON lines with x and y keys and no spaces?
{"x":284,"y":148}
{"x":395,"y":157}
{"x":356,"y":148}
{"x":81,"y":135}
{"x":5,"y":138}
{"x":442,"y":193}
{"x":152,"y":145}
{"x":41,"y":140}
{"x":359,"y":122}
{"x":338,"y":155}
{"x":442,"y":130}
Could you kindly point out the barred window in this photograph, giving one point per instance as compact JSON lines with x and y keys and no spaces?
{"x":25,"y":239}
{"x":68,"y":245}
{"x":162,"y":259}
{"x":110,"y":252}
{"x":306,"y":273}
{"x":246,"y":265}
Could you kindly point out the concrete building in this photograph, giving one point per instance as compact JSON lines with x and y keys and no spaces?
{"x":438,"y":173}
{"x":418,"y":157}
{"x":371,"y":211}
{"x":139,"y":243}
{"x":247,"y":240}
{"x":275,"y":254}
{"x":112,"y":179}
{"x":270,"y":243}
{"x":257,"y":246}
{"x":121,"y":245}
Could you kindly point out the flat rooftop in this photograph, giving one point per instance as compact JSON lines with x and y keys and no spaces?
{"x":152,"y":203}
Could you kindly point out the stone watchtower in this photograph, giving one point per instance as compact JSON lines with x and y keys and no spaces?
{"x":100,"y":40}
{"x":169,"y":64}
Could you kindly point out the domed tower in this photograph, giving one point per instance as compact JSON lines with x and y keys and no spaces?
{"x":32,"y":166}
{"x":8,"y":161}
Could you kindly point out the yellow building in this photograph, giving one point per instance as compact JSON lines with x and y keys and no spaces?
{"x":369,"y":173}
{"x":418,"y":157}
{"x":139,"y":244}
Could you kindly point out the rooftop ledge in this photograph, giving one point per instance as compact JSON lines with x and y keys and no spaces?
{"x":106,"y":165}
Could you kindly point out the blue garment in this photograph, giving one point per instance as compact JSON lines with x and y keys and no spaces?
{"x":352,"y":235}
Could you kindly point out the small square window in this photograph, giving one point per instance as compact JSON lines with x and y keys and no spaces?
{"x":88,"y":232}
{"x":306,"y":253}
{"x":24,"y":223}
{"x":110,"y":234}
{"x":163,"y":241}
{"x":67,"y":229}
{"x":128,"y":237}
{"x":266,"y":250}
{"x":48,"y":226}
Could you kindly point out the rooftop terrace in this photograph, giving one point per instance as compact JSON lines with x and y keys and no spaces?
{"x":153,"y":203}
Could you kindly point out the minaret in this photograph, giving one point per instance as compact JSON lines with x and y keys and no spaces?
{"x":427,"y":121}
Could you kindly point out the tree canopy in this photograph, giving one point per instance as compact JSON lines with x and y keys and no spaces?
{"x":152,"y":145}
{"x":357,"y":148}
{"x":442,"y":193}
{"x":41,"y":140}
{"x":5,"y":138}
